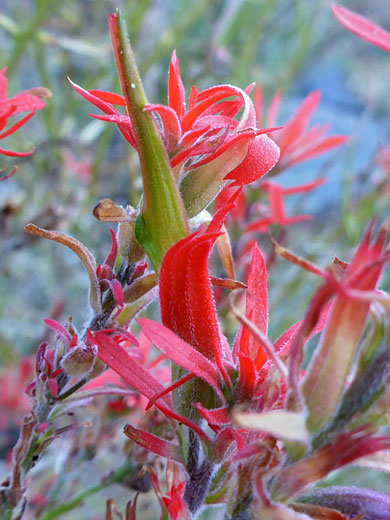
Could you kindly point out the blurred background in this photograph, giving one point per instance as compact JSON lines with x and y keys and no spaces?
{"x":295,"y":46}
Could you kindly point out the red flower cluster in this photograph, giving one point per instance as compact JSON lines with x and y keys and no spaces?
{"x":202,"y":132}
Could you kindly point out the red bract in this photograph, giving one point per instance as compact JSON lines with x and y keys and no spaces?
{"x":173,"y":501}
{"x":297,"y":143}
{"x":187,"y":308}
{"x":346,"y":448}
{"x":248,"y":353}
{"x":276,"y":205}
{"x":364,"y":28}
{"x":136,"y":375}
{"x":206,"y":130}
{"x":27,"y":101}
{"x":324,"y":384}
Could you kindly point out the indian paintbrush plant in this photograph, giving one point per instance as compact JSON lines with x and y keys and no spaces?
{"x":240,"y":425}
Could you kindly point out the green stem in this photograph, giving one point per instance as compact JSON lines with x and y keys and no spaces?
{"x":162,"y":221}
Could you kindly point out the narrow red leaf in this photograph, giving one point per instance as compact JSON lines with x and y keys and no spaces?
{"x":181,"y":353}
{"x":362,"y":27}
{"x":136,"y":376}
{"x":9,"y":153}
{"x":125,"y":129}
{"x":109,"y":97}
{"x":59,"y":329}
{"x":316,"y":149}
{"x":216,"y":417}
{"x":155,"y":444}
{"x":123,"y":364}
{"x":295,"y":127}
{"x":176,"y":96}
{"x":9,"y":175}
{"x":257,"y":312}
{"x":178,"y":383}
{"x":16,"y":126}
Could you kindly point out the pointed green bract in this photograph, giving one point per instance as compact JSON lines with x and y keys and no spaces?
{"x":162,"y":221}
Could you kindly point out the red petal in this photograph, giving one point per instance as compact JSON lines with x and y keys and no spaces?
{"x":216,"y":417}
{"x":110,"y":260}
{"x":119,"y":360}
{"x":261,"y":156}
{"x":124,"y":125}
{"x":170,"y":388}
{"x":132,"y":372}
{"x":183,"y":275}
{"x":150,"y":442}
{"x":9,"y":175}
{"x":186,"y":301}
{"x":192,"y":98}
{"x":295,"y":127}
{"x":226,"y":142}
{"x":282,"y":344}
{"x":202,"y":147}
{"x":207,"y":97}
{"x":220,"y":216}
{"x":16,"y":126}
{"x":362,"y":27}
{"x":117,"y":292}
{"x":24,"y":103}
{"x":59,"y":329}
{"x":109,"y":97}
{"x":181,"y":353}
{"x":176,"y":96}
{"x":248,"y":118}
{"x":275,"y":195}
{"x":365,"y":252}
{"x":107,"y":109}
{"x":312,"y":151}
{"x":247,"y":378}
{"x":9,"y":153}
{"x":190,"y":137}
{"x":260,"y":225}
{"x":256,"y":310}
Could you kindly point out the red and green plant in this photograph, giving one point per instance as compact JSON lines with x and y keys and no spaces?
{"x":242,"y":424}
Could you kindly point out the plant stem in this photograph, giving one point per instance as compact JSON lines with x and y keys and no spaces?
{"x":163,"y":221}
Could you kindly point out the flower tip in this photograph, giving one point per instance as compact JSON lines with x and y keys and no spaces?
{"x":113,"y":18}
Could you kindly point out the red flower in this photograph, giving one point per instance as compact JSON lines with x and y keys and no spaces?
{"x":359,"y":25}
{"x":27,"y":101}
{"x":203,"y":132}
{"x":173,"y":501}
{"x":297,"y":143}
